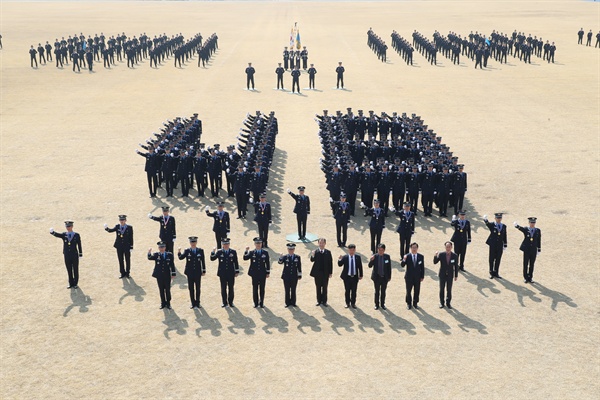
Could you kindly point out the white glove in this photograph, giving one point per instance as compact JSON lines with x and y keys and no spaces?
{"x":362,"y":205}
{"x":288,"y":190}
{"x":515,"y":224}
{"x":391,"y":192}
{"x":149,"y":215}
{"x":485,"y":217}
{"x":251,"y":200}
{"x":105,"y":225}
{"x":330,"y":200}
{"x":434,"y":192}
{"x":454,"y":218}
{"x":392,"y":209}
{"x":206,"y":208}
{"x":173,"y":240}
{"x":51,"y":230}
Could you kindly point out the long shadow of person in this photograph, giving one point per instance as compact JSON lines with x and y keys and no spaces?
{"x":520,"y":291}
{"x":240,"y":322}
{"x":78,"y":299}
{"x":305,"y":320}
{"x":556,"y":297}
{"x":467,"y":324}
{"x":482,"y":284}
{"x":337,"y":320}
{"x":174,"y":323}
{"x":132,"y":289}
{"x":432,"y":323}
{"x":398,"y":323}
{"x":366,"y":321}
{"x":207,"y":323}
{"x":272,"y":321}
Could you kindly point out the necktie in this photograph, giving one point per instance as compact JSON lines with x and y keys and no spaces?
{"x":380,"y":266}
{"x":352,"y":273}
{"x":415,"y":260}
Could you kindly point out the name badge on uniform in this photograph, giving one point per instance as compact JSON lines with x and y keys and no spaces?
{"x":461,"y":230}
{"x":498,"y":233}
{"x":121,"y":235}
{"x":531,"y":239}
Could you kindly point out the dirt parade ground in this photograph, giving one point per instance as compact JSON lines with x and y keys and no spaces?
{"x":528,"y":135}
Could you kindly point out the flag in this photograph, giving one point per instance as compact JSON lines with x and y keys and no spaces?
{"x":292,"y":38}
{"x":84,"y":44}
{"x":487,"y":42}
{"x":298,"y":45}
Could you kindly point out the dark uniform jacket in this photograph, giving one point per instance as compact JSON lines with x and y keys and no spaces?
{"x":71,"y":248}
{"x":260,"y":265}
{"x":228,"y":263}
{"x":124,"y":237}
{"x":195,"y":264}
{"x":167,"y":228}
{"x":164,"y":266}
{"x":292,"y":267}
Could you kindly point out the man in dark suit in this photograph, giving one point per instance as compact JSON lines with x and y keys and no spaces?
{"x":259,"y":270}
{"x":262,"y":217}
{"x":341,"y":213}
{"x":352,"y":272}
{"x":301,"y":209}
{"x":461,"y":236}
{"x":195,"y":269}
{"x":406,"y":228}
{"x":164,"y":272}
{"x":220,"y":224}
{"x":71,"y":252}
{"x":168,"y":232}
{"x":531,"y":247}
{"x":291,"y":273}
{"x":123,"y":244}
{"x":497,"y":242}
{"x":448,"y":272}
{"x":376,"y":224}
{"x":227,"y":271}
{"x":414,"y":275}
{"x":381,"y":275}
{"x":322,"y":270}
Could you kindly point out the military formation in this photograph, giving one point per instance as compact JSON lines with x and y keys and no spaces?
{"x":377,"y":45}
{"x":588,"y":42}
{"x":84,"y":52}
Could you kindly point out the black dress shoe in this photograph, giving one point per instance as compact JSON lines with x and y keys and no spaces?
{"x":441,"y":306}
{"x":122,"y":276}
{"x":383,"y":308}
{"x":192,"y":307}
{"x":318,"y":304}
{"x":346,"y":306}
{"x":525,"y":281}
{"x":376,"y":308}
{"x":231,"y":305}
{"x":293,"y":305}
{"x":449,"y":306}
{"x":287,"y":305}
{"x":354,"y":306}
{"x":498,"y":276}
{"x":128,"y":276}
{"x":416,"y":307}
{"x":169,"y":306}
{"x":491,"y":276}
{"x":531,"y":281}
{"x":408,"y":307}
{"x":223,"y":305}
{"x":161,"y":307}
{"x":262,"y":305}
{"x":256,"y":306}
{"x":325,"y":305}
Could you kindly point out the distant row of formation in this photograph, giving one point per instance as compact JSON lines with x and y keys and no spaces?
{"x":476,"y":46}
{"x":588,"y":42}
{"x":82,"y":51}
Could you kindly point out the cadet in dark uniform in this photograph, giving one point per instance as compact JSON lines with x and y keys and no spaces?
{"x":580,"y":36}
{"x":262,"y":217}
{"x":75,"y":58}
{"x":195,"y":269}
{"x":461,"y":237}
{"x":497,"y":242}
{"x":322,"y":270}
{"x":589,"y":38}
{"x":381,"y":275}
{"x":250,"y":76}
{"x":312,"y":71}
{"x":296,"y":79}
{"x":376,"y":224}
{"x":168,"y":232}
{"x":414,"y":275}
{"x":340,"y":75}
{"x":220,"y":224}
{"x":279,"y":71}
{"x":352,"y":272}
{"x":291,"y":273}
{"x":551,"y":50}
{"x":259,"y":270}
{"x":301,"y":209}
{"x":40,"y":50}
{"x":123,"y":244}
{"x":304,"y":55}
{"x":164,"y":272}
{"x":286,"y":58}
{"x":32,"y":53}
{"x":531,"y":247}
{"x":71,"y":252}
{"x":406,"y":228}
{"x":341,"y":213}
{"x":459,"y":188}
{"x":227,"y":271}
{"x":89,"y":58}
{"x":447,"y":273}
{"x":48,"y":48}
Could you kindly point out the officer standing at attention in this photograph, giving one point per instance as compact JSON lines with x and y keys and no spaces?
{"x":40,"y":50}
{"x":259,"y":270}
{"x":322,"y":270}
{"x":227,"y":271}
{"x":164,"y":272}
{"x":414,"y":275}
{"x":286,"y":58}
{"x":406,"y":228}
{"x":340,"y":75}
{"x":447,"y":273}
{"x":341,"y":213}
{"x":312,"y":71}
{"x":220,"y":224}
{"x":89,"y":58}
{"x":71,"y":252}
{"x":301,"y":209}
{"x":497,"y":242}
{"x":279,"y":71}
{"x":589,"y":38}
{"x":461,"y":237}
{"x":32,"y":53}
{"x":195,"y":269}
{"x":75,"y":58}
{"x":291,"y":273}
{"x":250,"y":76}
{"x":296,"y":79}
{"x":262,"y":217}
{"x":376,"y":224}
{"x":304,"y":55}
{"x":531,"y":247}
{"x":123,"y":244}
{"x":580,"y":36}
{"x":168,"y":232}
{"x":352,"y":272}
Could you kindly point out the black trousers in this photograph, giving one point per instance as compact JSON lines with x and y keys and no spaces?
{"x":380,"y":289}
{"x":342,"y":232}
{"x":285,"y":63}
{"x":459,"y":198}
{"x":219,"y":236}
{"x":413,"y":198}
{"x":227,"y":291}
{"x":72,"y":264}
{"x":427,"y":203}
{"x":200,"y":183}
{"x":404,"y":244}
{"x":528,"y":264}
{"x":194,"y":288}
{"x":494,"y":259}
{"x":350,"y":286}
{"x":412,"y":298}
{"x":375,"y":238}
{"x":214,"y":185}
{"x":169,"y":244}
{"x":279,"y":81}
{"x":124,"y":257}
{"x":230,"y":180}
{"x":321,"y":283}
{"x":33,"y":60}
{"x":242,"y":202}
{"x":249,"y":80}
{"x":164,"y":287}
{"x":311,"y":81}
{"x":340,"y":80}
{"x":446,"y":286}
{"x":460,"y":248}
{"x":290,"y":292}
{"x":76,"y":64}
{"x":152,"y":183}
{"x":258,"y":290}
{"x":295,"y":84}
{"x":263,"y":233}
{"x":42,"y":57}
{"x":301,"y":220}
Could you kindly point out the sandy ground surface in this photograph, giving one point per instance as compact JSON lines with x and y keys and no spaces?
{"x":528,"y":135}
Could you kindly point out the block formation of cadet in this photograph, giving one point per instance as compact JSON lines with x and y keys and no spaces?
{"x":461,"y":236}
{"x":227,"y":270}
{"x":403,"y":48}
{"x":290,"y":274}
{"x":497,"y":242}
{"x":71,"y":252}
{"x":123,"y":244}
{"x":321,"y":271}
{"x":377,"y":45}
{"x":448,"y":273}
{"x":301,"y":209}
{"x":168,"y":229}
{"x":531,"y":247}
{"x":195,"y":269}
{"x":414,"y":275}
{"x":259,"y":270}
{"x":164,"y":272}
{"x":381,"y":263}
